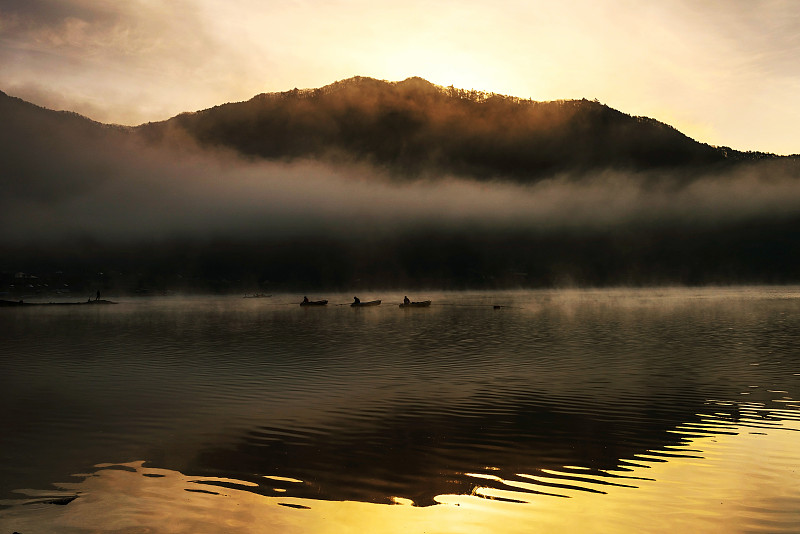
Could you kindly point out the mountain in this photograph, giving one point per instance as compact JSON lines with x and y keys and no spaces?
{"x":410,"y":128}
{"x":47,"y":154}
{"x":534,"y":194}
{"x":414,"y":128}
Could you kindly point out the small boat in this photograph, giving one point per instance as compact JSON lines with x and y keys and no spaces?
{"x":362,"y":304}
{"x":256,"y":296}
{"x":420,"y":304}
{"x":314,"y":303}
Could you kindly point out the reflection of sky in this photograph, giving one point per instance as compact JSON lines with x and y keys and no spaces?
{"x":726,"y":75}
{"x":367,"y":404}
{"x":741,"y":481}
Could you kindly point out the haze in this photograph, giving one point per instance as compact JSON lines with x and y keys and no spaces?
{"x":119,"y":189}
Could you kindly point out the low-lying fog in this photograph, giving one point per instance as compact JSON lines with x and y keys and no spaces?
{"x":130,"y":191}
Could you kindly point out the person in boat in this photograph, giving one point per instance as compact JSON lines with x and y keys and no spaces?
{"x":97,"y":297}
{"x":406,"y":301}
{"x":356,"y":300}
{"x":305,"y":300}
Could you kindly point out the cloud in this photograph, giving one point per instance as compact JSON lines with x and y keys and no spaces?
{"x":126,"y":191}
{"x":40,"y":13}
{"x":122,"y":62}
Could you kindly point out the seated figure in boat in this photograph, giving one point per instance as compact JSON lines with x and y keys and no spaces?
{"x":405,"y":300}
{"x":356,"y":300}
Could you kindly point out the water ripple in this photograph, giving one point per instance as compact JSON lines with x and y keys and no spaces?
{"x":559,"y":393}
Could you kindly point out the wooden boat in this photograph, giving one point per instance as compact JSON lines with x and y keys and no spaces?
{"x":420,"y":304}
{"x":368,"y":303}
{"x":314,"y":303}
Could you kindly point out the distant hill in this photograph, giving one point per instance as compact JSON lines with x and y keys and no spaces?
{"x":90,"y":206}
{"x":23,"y":121}
{"x":47,"y":154}
{"x":410,"y":128}
{"x":414,"y":128}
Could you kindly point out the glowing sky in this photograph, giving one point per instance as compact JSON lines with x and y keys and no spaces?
{"x":723,"y":72}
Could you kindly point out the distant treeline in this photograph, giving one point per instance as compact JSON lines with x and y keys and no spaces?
{"x":757,"y":252}
{"x":414,"y":128}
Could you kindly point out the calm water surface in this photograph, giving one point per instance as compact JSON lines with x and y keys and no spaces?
{"x":581,"y":411}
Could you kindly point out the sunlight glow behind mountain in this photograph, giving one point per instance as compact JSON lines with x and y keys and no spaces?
{"x":725,"y":75}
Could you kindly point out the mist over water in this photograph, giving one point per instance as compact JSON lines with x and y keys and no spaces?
{"x":556,"y":393}
{"x":175,"y":218}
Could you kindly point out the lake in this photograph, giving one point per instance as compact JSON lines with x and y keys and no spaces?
{"x":617,"y":410}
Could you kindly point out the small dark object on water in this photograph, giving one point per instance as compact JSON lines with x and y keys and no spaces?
{"x":63,"y":501}
{"x":421,"y":304}
{"x":291,"y":505}
{"x":497,"y":307}
{"x":193,"y":490}
{"x":307,"y":302}
{"x":357,"y":303}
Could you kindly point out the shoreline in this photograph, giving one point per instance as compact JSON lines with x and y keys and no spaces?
{"x":21,"y":303}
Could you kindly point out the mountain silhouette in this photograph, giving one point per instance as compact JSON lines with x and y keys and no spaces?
{"x":52,"y":154}
{"x":410,"y":128}
{"x":414,"y":128}
{"x":289,"y":191}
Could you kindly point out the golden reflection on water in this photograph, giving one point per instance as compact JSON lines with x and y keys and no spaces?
{"x":740,"y":481}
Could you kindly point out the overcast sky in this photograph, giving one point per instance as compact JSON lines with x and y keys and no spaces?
{"x":723,"y":72}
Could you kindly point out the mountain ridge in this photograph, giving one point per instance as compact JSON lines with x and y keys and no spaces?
{"x":415,"y":128}
{"x":86,"y":198}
